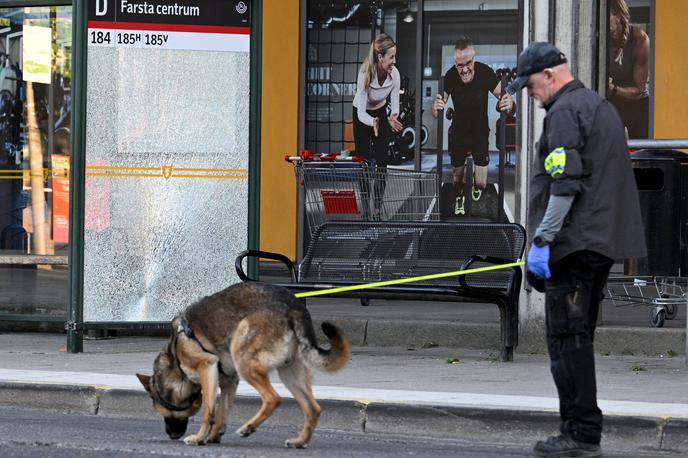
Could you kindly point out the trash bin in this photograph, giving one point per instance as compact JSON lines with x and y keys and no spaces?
{"x":662,"y":179}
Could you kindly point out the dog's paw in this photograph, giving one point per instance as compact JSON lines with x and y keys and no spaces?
{"x":246,"y":431}
{"x":216,"y":435}
{"x":194,"y":439}
{"x":214,"y":438}
{"x":295,"y":443}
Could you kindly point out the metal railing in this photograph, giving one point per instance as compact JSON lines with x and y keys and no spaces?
{"x":33,"y":259}
{"x":662,"y":143}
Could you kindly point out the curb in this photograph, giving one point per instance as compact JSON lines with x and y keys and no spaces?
{"x":488,"y":426}
{"x":65,"y":398}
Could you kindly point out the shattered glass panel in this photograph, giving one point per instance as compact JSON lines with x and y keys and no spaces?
{"x":166,"y":179}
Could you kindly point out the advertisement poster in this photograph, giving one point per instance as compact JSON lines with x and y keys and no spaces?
{"x":37,"y":54}
{"x":60,"y":180}
{"x":628,"y":64}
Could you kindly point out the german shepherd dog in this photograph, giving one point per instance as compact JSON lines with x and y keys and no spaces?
{"x":243,"y":331}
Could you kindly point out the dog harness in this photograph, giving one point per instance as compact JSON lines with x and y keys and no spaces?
{"x":186,"y":328}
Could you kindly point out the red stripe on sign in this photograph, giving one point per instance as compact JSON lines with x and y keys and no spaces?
{"x":169,"y":27}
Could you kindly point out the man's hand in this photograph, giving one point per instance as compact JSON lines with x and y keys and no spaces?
{"x":395,"y":123}
{"x":506,"y":103}
{"x":376,"y":126}
{"x":437,"y":105}
{"x":611,"y":87}
{"x":538,"y":261}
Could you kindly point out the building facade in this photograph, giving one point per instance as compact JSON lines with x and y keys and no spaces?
{"x":304,"y":59}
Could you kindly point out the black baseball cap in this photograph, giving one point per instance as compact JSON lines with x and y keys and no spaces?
{"x":535,"y":58}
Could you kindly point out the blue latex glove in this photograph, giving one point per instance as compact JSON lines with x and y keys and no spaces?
{"x":538,"y":261}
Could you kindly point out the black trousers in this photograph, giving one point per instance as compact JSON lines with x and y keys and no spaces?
{"x":368,"y":145}
{"x":374,"y":149}
{"x":572,"y":301}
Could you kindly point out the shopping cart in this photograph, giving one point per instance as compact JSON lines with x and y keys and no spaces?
{"x":338,"y":187}
{"x":662,"y":294}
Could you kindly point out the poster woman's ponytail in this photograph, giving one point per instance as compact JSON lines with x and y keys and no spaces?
{"x":380,"y":45}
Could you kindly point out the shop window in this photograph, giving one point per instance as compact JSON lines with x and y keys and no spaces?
{"x":35,"y":136}
{"x":338,"y":41}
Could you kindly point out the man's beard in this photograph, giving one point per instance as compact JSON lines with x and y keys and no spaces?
{"x":543,"y":101}
{"x":467,"y":77}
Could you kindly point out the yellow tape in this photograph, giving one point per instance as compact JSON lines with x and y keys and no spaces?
{"x":322,"y":292}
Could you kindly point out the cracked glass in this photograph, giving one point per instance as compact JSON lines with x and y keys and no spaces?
{"x":166,"y":179}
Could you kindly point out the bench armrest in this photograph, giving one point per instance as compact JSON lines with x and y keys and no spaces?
{"x":480,"y":258}
{"x":238,"y":263}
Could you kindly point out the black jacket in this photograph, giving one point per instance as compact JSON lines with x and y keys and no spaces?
{"x":584,"y":145}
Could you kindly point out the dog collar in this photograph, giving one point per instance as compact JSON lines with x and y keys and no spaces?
{"x":167,"y":404}
{"x":186,"y":328}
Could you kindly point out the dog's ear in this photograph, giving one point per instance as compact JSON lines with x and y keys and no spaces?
{"x":176,"y":325}
{"x":145,"y":381}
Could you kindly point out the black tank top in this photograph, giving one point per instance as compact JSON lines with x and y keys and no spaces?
{"x":622,"y":74}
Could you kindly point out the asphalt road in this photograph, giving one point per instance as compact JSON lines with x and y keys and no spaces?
{"x":37,"y":433}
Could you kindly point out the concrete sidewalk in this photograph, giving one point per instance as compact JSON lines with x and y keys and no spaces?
{"x":400,"y":390}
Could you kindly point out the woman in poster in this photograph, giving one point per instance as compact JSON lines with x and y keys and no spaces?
{"x":378,"y":80}
{"x":628,"y":70}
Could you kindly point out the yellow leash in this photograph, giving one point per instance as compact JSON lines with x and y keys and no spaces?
{"x":322,"y":292}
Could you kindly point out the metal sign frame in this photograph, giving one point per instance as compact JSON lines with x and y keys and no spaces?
{"x":75,"y":325}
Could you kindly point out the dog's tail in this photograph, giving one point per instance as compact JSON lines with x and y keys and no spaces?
{"x":339,"y":353}
{"x":328,"y":360}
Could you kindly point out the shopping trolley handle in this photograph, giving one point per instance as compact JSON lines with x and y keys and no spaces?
{"x":310,"y":156}
{"x":304,"y":155}
{"x":329,"y":157}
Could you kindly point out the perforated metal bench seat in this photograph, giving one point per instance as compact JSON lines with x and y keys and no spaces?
{"x":354,"y":253}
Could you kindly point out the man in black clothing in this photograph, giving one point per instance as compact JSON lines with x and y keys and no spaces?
{"x":583,"y":214}
{"x":468,"y":83}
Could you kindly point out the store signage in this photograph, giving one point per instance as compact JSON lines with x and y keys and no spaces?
{"x":203,"y":25}
{"x":36,"y":58}
{"x":331,"y":89}
{"x":319,"y":84}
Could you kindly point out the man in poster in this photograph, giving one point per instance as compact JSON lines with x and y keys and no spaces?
{"x":468,"y":83}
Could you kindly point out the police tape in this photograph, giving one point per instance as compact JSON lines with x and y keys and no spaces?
{"x":378,"y":284}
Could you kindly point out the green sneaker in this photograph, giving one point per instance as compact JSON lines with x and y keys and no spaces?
{"x":477,"y":193}
{"x":458,"y":208}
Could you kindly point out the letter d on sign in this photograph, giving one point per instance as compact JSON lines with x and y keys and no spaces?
{"x":101,"y":7}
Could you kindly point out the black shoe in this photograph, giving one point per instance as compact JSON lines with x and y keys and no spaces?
{"x":565,"y":445}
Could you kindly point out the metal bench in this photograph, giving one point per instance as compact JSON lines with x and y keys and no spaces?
{"x":361,"y":252}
